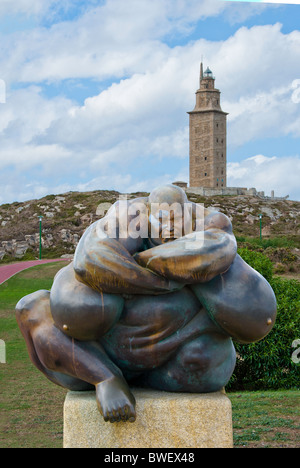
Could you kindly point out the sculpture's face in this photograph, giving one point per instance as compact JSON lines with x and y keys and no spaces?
{"x":167,"y":214}
{"x":166,"y":224}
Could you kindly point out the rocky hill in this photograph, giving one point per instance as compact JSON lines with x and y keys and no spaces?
{"x":65,"y":218}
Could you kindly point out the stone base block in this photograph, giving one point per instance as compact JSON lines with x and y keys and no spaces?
{"x":164,"y":420}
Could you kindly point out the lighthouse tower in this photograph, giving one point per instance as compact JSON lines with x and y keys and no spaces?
{"x":208,"y":130}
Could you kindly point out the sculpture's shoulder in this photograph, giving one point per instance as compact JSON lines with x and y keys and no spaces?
{"x":90,"y":231}
{"x":114,"y":229}
{"x":214,"y":219}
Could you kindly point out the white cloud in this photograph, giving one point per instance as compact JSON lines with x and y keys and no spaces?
{"x":28,"y":7}
{"x":27,"y":113}
{"x":152,"y":105}
{"x":261,"y":115}
{"x":266,"y":174}
{"x":173,"y":145}
{"x":258,"y":71}
{"x":289,"y":2}
{"x":46,"y":156}
{"x":43,"y":9}
{"x":257,"y":59}
{"x":32,"y":12}
{"x":142,"y":115}
{"x":114,"y":39}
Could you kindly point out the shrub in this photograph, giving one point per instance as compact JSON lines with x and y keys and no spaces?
{"x":281,"y":254}
{"x":267,"y":364}
{"x":29,"y":255}
{"x":279,"y":268}
{"x":273,"y":242}
{"x":258,"y":261}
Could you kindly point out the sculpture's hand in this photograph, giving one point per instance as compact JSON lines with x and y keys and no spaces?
{"x":195,"y":258}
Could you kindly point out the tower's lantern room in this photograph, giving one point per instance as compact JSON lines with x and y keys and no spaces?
{"x":207,"y":79}
{"x":208,"y":74}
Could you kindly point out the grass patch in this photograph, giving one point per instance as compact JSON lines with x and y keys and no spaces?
{"x":40,"y":277}
{"x":266,"y":419}
{"x":32,"y":407}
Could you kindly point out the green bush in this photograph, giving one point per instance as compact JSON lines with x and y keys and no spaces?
{"x":268,"y":363}
{"x":258,"y":261}
{"x":274,"y":242}
{"x":279,"y":269}
{"x":29,"y":255}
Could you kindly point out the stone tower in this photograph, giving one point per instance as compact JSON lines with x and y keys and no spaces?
{"x":207,"y":136}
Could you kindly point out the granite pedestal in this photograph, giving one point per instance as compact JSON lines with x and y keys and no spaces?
{"x":164,"y":420}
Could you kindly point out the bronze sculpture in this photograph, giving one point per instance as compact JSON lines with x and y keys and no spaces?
{"x":153,"y":298}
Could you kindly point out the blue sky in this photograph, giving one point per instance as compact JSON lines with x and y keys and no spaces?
{"x":95,"y":94}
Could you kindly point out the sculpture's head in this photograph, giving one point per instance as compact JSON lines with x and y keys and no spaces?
{"x":167,"y":213}
{"x":168,"y":194}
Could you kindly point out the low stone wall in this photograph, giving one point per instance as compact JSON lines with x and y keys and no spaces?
{"x":234,"y":191}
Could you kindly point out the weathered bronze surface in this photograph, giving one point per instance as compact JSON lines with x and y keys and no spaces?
{"x":155,"y":306}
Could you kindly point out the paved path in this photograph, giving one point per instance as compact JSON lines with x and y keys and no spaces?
{"x":7,"y":271}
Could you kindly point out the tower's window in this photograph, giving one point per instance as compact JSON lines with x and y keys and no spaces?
{"x":205,"y":159}
{"x":205,"y":173}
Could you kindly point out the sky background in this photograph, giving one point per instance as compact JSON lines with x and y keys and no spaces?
{"x":94,"y":94}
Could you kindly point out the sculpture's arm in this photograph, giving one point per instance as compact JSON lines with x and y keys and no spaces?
{"x":106,"y":265}
{"x":197,"y":257}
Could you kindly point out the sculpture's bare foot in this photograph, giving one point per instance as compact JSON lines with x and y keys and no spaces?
{"x":115,"y":400}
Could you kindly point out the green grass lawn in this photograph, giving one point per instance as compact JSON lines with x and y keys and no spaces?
{"x":266,"y":419}
{"x":32,"y":407}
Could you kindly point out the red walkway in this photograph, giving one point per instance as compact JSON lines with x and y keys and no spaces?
{"x":7,"y":271}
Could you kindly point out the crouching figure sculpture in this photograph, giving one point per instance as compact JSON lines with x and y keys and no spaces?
{"x":154,"y":297}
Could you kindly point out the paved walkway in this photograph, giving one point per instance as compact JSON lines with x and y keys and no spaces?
{"x":7,"y":271}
